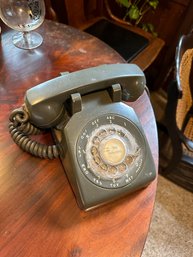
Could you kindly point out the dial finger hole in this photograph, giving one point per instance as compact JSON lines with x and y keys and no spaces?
{"x":97,"y":160}
{"x":112,"y":131}
{"x":121,"y":133}
{"x":102,"y":133}
{"x":96,"y":140}
{"x":129,"y":160}
{"x":122,"y":167}
{"x":104,"y":166}
{"x":112,"y":170}
{"x":94,"y":150}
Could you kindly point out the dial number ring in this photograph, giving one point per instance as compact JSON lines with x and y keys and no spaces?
{"x":110,"y":152}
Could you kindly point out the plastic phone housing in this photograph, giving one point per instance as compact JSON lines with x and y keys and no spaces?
{"x":103,"y":147}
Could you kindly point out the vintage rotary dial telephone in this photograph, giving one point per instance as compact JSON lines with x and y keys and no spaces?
{"x":99,"y":139}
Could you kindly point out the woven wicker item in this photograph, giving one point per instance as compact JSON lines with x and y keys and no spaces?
{"x":177,"y":156}
{"x":185,"y":103}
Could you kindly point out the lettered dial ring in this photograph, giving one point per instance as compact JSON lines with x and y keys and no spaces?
{"x":110,"y":155}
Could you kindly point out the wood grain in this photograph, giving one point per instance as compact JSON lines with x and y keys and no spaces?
{"x":82,"y":14}
{"x":38,"y":212}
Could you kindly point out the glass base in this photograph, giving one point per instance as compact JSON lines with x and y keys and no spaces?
{"x":27,"y":40}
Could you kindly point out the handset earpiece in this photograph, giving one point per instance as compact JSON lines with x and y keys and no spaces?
{"x":134,"y":88}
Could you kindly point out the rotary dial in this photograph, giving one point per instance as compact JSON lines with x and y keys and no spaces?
{"x":111,"y":155}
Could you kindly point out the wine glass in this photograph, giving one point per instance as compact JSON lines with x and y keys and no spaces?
{"x":23,"y":16}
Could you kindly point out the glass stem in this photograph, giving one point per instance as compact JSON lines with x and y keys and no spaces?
{"x":26,"y":37}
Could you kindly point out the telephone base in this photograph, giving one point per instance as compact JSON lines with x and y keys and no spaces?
{"x":109,"y":157}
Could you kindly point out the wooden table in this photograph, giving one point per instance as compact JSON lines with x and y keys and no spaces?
{"x":38,"y":212}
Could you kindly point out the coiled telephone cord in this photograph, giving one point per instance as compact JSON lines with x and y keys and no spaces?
{"x":20,"y":128}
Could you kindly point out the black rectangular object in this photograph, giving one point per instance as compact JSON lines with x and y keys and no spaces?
{"x":127,"y":43}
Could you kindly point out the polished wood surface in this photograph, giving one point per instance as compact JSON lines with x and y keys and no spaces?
{"x":81,"y":14}
{"x":38,"y":212}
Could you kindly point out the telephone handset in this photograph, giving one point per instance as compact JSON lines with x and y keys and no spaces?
{"x":99,"y":139}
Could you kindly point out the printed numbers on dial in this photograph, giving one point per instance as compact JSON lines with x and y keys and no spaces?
{"x":111,"y":151}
